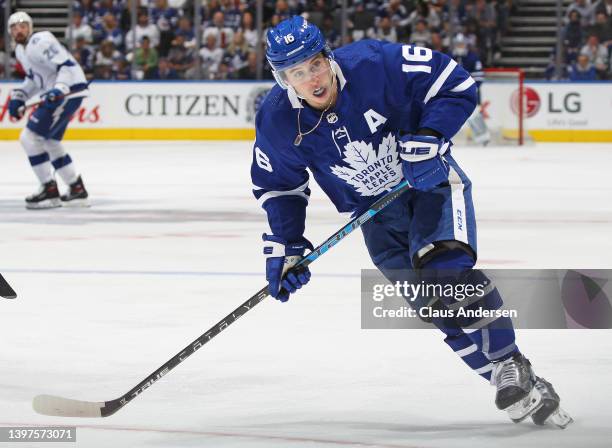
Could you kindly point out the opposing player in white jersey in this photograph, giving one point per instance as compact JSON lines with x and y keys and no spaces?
{"x":53,"y":72}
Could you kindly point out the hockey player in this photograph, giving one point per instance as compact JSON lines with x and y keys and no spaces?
{"x":52,"y":70}
{"x":470,"y":61}
{"x":360,"y":120}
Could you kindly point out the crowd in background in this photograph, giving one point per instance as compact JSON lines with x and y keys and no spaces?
{"x":163,"y":44}
{"x":587,"y":41}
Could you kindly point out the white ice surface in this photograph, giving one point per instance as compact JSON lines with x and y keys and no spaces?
{"x":172,"y":244}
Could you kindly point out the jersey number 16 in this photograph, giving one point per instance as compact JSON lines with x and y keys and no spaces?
{"x":416,"y":54}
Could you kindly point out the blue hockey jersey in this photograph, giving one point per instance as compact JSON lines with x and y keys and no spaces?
{"x":385,"y":89}
{"x":471,"y":63}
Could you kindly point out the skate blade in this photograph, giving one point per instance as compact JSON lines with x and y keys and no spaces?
{"x":43,"y":205}
{"x":560,"y":418}
{"x":522,"y":409}
{"x":76,"y":203}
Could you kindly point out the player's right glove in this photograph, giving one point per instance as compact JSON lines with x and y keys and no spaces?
{"x":17,"y":104}
{"x":281,"y":256}
{"x":422,"y":163}
{"x":53,"y":98}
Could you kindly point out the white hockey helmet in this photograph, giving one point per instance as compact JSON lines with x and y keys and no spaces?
{"x":21,"y":17}
{"x":460,"y":45}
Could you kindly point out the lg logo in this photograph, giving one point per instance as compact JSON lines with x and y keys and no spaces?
{"x":568,"y":103}
{"x":531,"y":102}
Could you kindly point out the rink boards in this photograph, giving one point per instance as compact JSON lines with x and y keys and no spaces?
{"x":554,"y":111}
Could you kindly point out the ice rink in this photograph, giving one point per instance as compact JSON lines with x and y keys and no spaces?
{"x":171,"y":244}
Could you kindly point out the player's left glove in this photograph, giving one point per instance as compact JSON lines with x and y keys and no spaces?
{"x":53,"y":98}
{"x":422,"y":163}
{"x":17,"y":104}
{"x":281,"y":256}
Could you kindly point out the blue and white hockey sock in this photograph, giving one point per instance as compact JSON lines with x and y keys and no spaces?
{"x":33,"y":144}
{"x":62,"y":162}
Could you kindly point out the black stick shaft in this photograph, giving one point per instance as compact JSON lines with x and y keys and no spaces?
{"x":5,"y":289}
{"x":110,"y":407}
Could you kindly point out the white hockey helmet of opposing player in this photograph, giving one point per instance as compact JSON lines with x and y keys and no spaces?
{"x":460,"y":45}
{"x":21,"y":17}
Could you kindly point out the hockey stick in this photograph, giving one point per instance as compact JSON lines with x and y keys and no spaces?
{"x":5,"y":289}
{"x":64,"y":407}
{"x":59,"y":97}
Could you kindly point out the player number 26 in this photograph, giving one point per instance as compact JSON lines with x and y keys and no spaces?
{"x":416,"y":54}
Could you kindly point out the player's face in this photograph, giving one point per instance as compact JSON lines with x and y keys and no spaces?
{"x":20,"y":32}
{"x":313,"y":81}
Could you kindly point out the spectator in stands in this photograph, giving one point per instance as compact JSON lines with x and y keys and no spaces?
{"x":585,"y":9}
{"x":210,"y":57}
{"x":107,"y":7}
{"x":446,"y":34}
{"x":84,"y":55}
{"x":597,"y":54}
{"x":88,"y":12}
{"x":164,"y":16}
{"x":106,"y":60}
{"x":223,"y":72}
{"x":78,"y":29}
{"x":396,"y":12}
{"x":249,"y":71}
{"x":573,"y":37}
{"x":166,"y":19}
{"x":222,"y":34}
{"x":180,"y":57}
{"x":484,"y":15}
{"x":145,"y":57}
{"x":420,"y":36}
{"x":143,"y":28}
{"x":232,"y":12}
{"x":163,"y":71}
{"x":109,"y":30}
{"x":602,"y":29}
{"x":583,"y":70}
{"x":123,"y":71}
{"x":282,"y":10}
{"x":384,"y":30}
{"x":210,"y":9}
{"x":604,"y":7}
{"x":329,"y":31}
{"x":186,"y":30}
{"x":248,"y":29}
{"x":238,"y":51}
{"x":125,"y":20}
{"x":423,"y":12}
{"x":460,"y":13}
{"x":437,"y":43}
{"x":3,"y":56}
{"x":321,"y":6}
{"x":360,"y":21}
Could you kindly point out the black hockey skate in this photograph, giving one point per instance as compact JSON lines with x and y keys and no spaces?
{"x":47,"y":197}
{"x":550,"y":411}
{"x":516,"y":391}
{"x":76,"y":196}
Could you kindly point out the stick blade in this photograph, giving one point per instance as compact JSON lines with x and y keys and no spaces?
{"x":5,"y":289}
{"x":65,"y":407}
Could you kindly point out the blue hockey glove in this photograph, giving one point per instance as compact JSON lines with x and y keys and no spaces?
{"x":17,"y":104}
{"x":53,"y":98}
{"x":422,"y":163}
{"x":281,"y":256}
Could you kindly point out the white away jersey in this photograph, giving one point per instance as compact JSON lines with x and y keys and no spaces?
{"x":47,"y":63}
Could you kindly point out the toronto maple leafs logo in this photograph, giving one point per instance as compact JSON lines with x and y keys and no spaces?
{"x":369,"y":171}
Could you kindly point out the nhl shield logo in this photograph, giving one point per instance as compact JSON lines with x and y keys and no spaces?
{"x":332,"y":118}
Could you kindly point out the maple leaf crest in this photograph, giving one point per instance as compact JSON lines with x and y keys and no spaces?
{"x":370,"y":172}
